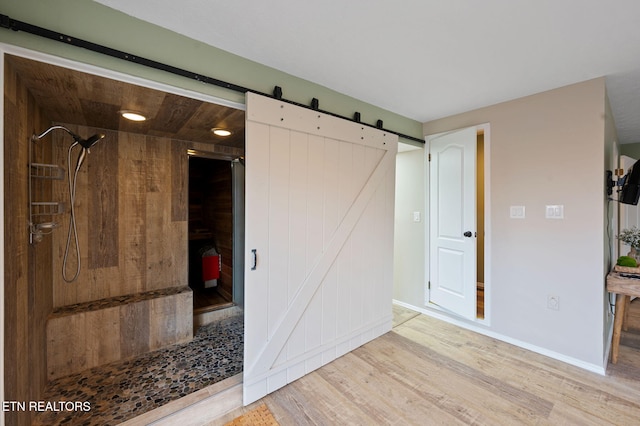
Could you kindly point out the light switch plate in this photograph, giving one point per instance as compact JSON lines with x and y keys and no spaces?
{"x":517,"y":212}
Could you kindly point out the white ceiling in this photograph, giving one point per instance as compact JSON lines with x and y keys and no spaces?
{"x":426,"y":59}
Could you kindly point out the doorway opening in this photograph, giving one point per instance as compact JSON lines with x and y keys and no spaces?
{"x":211,"y":233}
{"x":480,"y":224}
{"x":135,"y":251}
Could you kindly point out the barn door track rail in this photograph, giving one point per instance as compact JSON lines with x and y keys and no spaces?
{"x":15,"y":25}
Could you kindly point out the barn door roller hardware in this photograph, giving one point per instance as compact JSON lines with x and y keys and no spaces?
{"x":15,"y":25}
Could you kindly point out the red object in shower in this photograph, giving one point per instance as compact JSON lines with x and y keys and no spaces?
{"x":211,"y":265}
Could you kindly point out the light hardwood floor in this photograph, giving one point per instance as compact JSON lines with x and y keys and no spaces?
{"x":428,"y":372}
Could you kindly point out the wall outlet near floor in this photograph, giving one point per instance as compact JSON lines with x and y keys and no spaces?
{"x":553,"y":302}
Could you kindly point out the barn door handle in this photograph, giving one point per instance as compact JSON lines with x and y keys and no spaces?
{"x":468,"y":234}
{"x":254,"y":264}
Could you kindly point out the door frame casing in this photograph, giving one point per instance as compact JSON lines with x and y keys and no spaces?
{"x":486,"y":129}
{"x":237,"y":195}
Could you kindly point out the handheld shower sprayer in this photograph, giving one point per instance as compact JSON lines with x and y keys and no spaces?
{"x":85,"y":145}
{"x":91,"y":141}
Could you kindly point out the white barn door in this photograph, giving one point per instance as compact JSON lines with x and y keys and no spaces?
{"x":319,"y":240}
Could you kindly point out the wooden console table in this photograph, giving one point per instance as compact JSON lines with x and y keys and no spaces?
{"x":624,"y":287}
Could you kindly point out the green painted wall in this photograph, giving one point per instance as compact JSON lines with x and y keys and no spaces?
{"x":99,"y":24}
{"x":630,"y":150}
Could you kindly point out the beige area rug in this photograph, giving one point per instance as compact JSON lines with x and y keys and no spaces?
{"x":259,"y":416}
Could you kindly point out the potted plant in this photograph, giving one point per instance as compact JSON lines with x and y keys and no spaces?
{"x":631,"y":237}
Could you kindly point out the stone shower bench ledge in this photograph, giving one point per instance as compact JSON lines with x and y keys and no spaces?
{"x":111,"y":302}
{"x":86,"y":335}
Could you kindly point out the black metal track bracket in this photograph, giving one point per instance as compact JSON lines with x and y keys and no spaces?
{"x":15,"y":25}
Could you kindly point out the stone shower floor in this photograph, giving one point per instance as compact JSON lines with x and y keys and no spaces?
{"x":122,"y":390}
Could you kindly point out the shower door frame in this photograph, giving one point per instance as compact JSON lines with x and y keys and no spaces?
{"x":237,"y":197}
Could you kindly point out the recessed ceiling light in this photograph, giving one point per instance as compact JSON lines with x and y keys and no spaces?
{"x":221,"y":132}
{"x":132,"y":115}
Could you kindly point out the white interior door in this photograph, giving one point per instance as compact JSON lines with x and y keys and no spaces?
{"x":319,"y":240}
{"x":452,"y":222}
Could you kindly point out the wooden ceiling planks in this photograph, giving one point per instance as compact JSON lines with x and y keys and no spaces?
{"x":74,"y":97}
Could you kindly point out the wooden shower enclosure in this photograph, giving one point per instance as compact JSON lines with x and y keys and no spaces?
{"x":132,"y":223}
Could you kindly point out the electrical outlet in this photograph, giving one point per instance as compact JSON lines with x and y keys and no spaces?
{"x":553,"y":302}
{"x":516,"y":212}
{"x":554,"y":212}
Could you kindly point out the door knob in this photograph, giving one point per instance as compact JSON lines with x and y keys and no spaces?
{"x":467,"y":234}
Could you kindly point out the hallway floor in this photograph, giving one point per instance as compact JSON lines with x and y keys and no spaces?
{"x":123,"y":390}
{"x":427,"y":371}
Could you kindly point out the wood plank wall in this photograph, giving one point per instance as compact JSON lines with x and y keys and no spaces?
{"x":27,"y":288}
{"x":131,"y":210}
